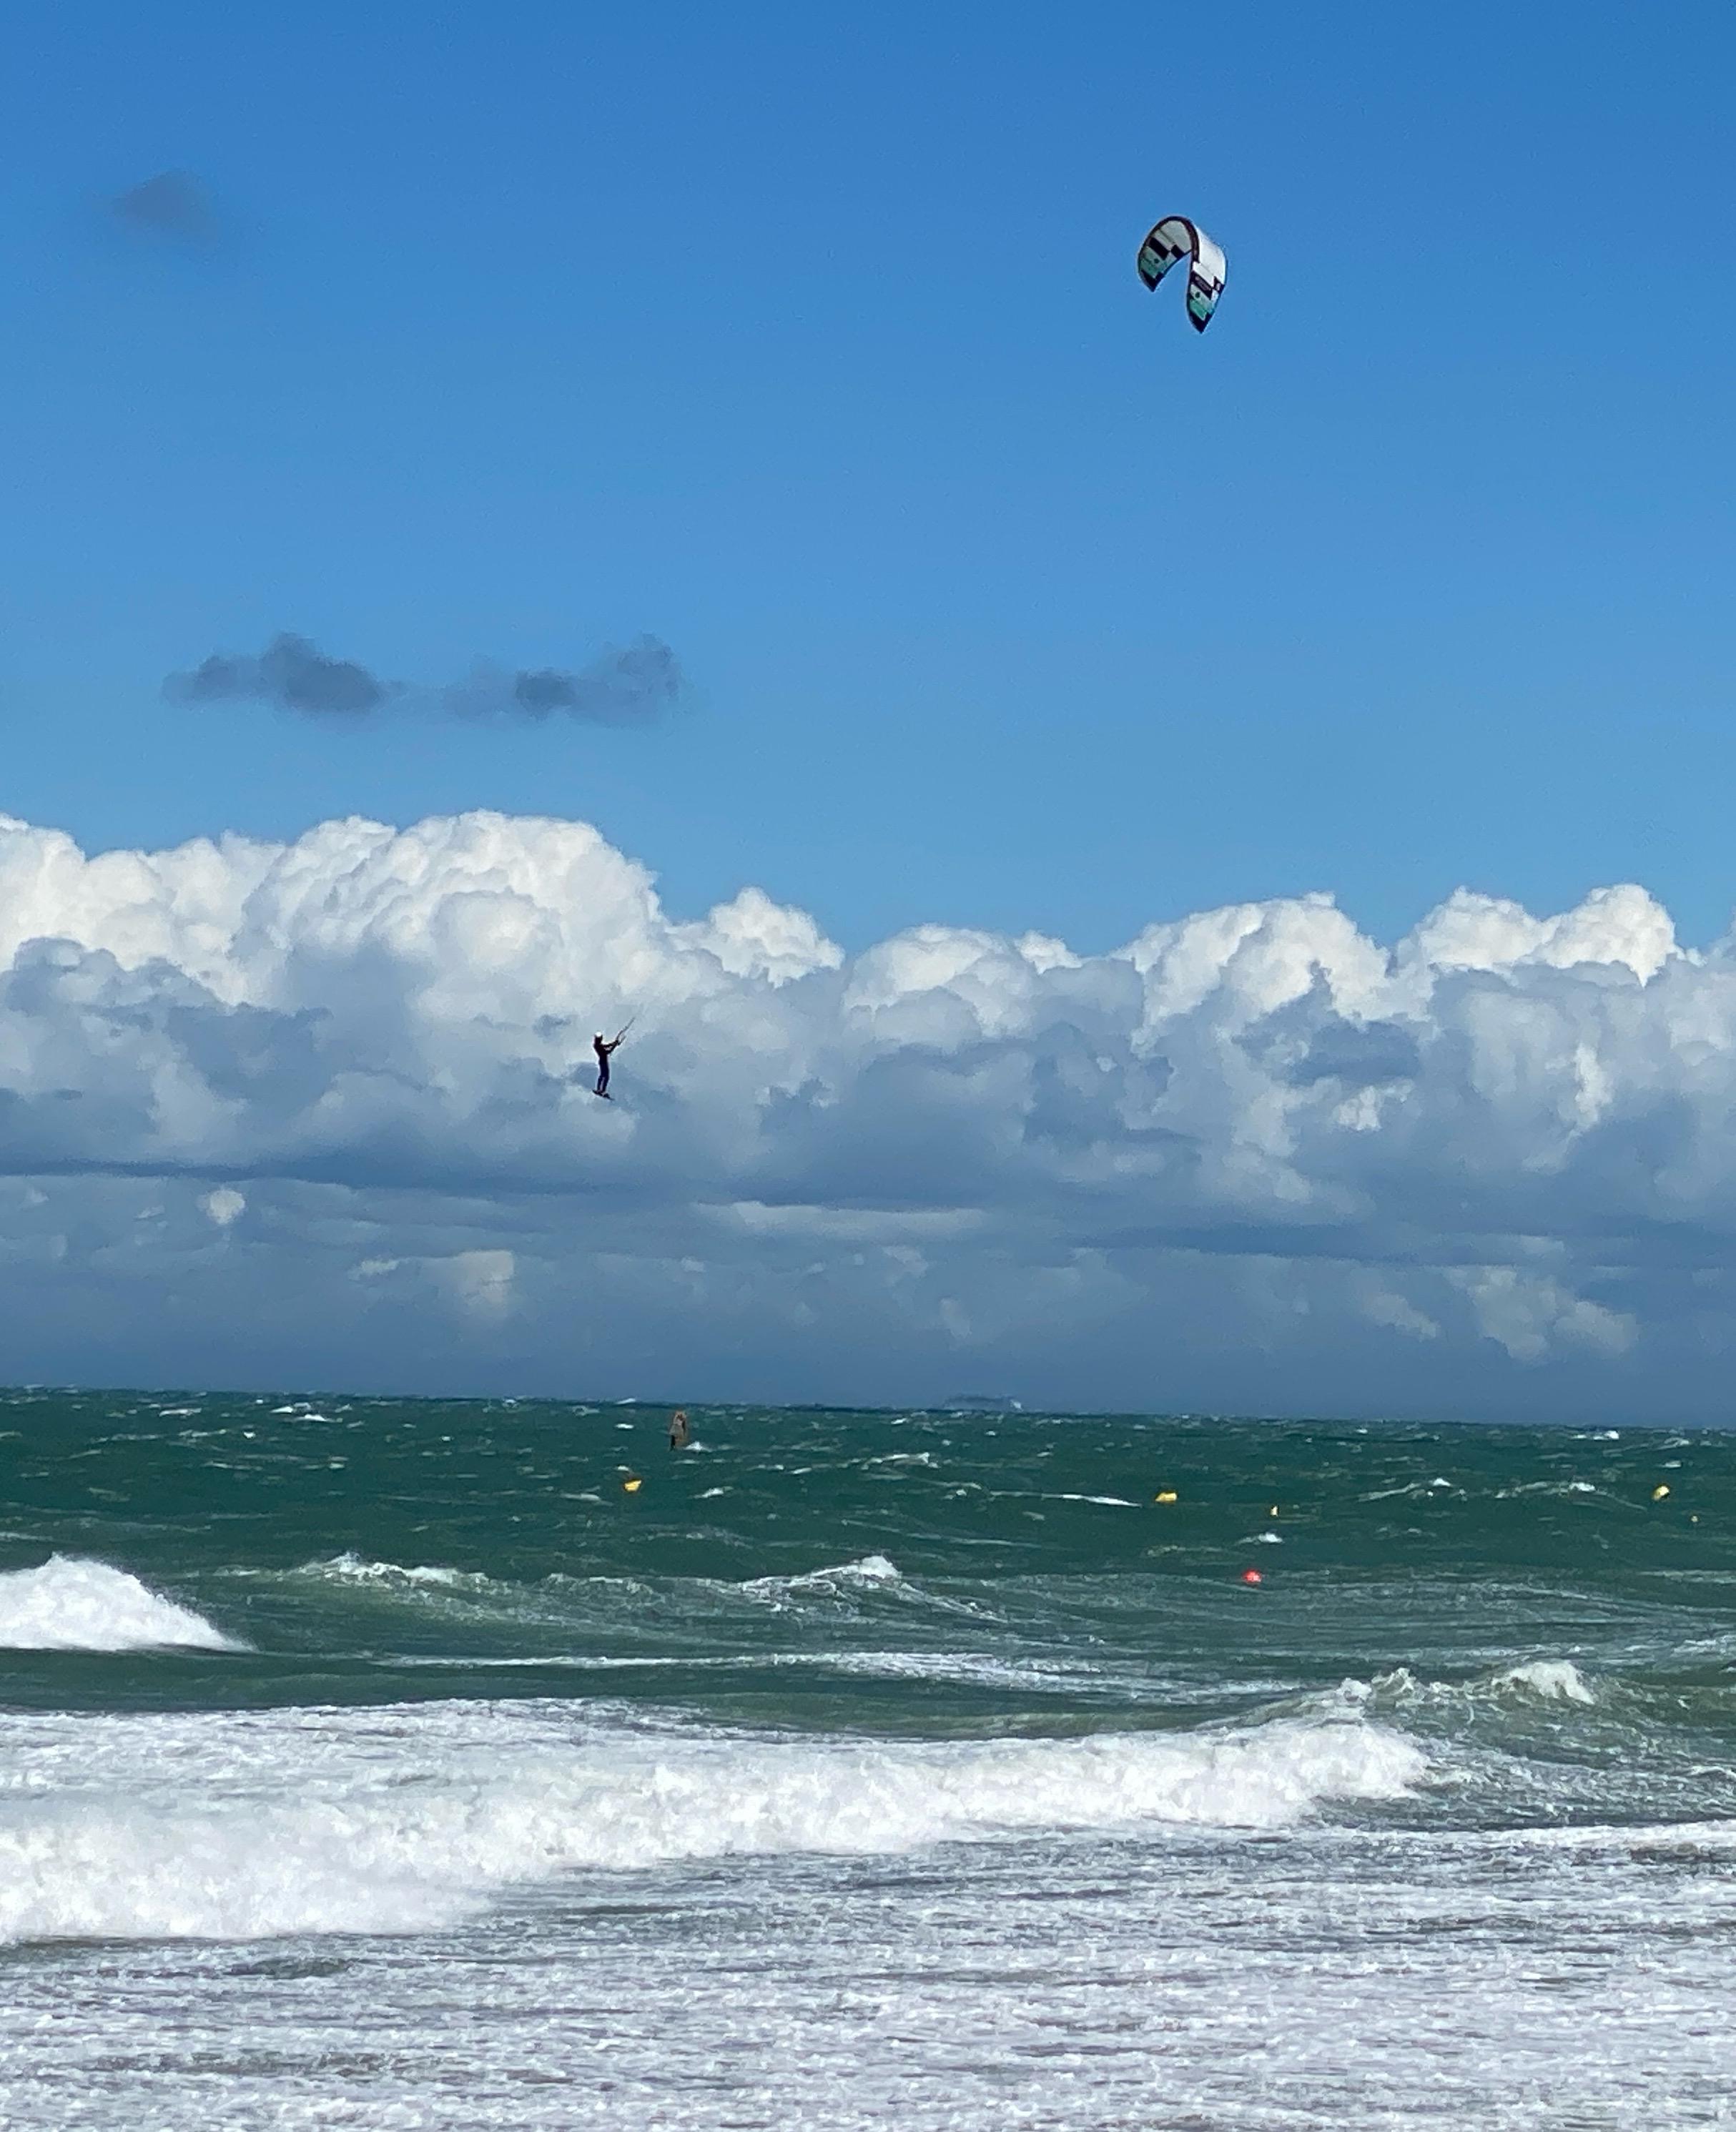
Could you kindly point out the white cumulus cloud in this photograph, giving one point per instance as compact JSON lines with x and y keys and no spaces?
{"x":225,"y":1206}
{"x":1252,"y":1158}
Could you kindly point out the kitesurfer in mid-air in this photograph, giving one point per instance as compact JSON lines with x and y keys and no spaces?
{"x":604,"y":1049}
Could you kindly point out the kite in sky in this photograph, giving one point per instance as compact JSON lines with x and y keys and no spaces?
{"x":1176,"y":238}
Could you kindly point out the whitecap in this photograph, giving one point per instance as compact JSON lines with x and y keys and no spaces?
{"x":351,"y":1568}
{"x":72,"y":1603}
{"x":1545,"y":1488}
{"x":406,"y":1817}
{"x":1549,"y":1680}
{"x":1545,"y":1680}
{"x":868,"y":1572}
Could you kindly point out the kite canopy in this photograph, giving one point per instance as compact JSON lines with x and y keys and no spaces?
{"x":1176,"y":238}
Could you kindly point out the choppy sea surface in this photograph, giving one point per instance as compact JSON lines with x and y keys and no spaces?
{"x":394,"y":1763}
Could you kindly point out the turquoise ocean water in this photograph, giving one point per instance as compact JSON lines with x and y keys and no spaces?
{"x":392,"y":1764}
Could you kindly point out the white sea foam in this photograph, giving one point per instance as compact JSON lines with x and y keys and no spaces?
{"x":73,"y":1604}
{"x":553,"y":1599}
{"x":866,"y":1569}
{"x":868,"y":1573}
{"x":1548,"y":1488}
{"x":403,"y":1818}
{"x":970,"y":1668}
{"x":351,"y":1568}
{"x":976,"y":1668}
{"x":973,"y":1668}
{"x":1541,"y":1680}
{"x":1549,"y":1680}
{"x":848,"y":1584}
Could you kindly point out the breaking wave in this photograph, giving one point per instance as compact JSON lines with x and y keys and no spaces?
{"x":870,"y":1572}
{"x":1549,"y":1680}
{"x":576,"y":1598}
{"x":1538,"y":1680}
{"x":351,"y":1568}
{"x":73,"y":1604}
{"x":407,"y":1818}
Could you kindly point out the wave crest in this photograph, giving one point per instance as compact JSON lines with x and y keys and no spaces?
{"x":352,"y":1568}
{"x":73,"y":1603}
{"x":1538,"y":1680}
{"x":312,"y":1834}
{"x":1549,"y":1680}
{"x":868,"y":1573}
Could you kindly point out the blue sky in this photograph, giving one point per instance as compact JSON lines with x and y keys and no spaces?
{"x":810,"y":343}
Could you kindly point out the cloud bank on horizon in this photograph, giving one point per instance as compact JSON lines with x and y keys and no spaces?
{"x":320,"y":1112}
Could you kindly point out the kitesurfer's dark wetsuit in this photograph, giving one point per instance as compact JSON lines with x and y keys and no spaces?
{"x":603,"y":1050}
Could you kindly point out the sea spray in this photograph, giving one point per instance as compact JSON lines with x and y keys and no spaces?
{"x":69,"y":1604}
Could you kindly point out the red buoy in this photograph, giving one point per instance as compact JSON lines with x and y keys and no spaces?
{"x":1252,"y":1576}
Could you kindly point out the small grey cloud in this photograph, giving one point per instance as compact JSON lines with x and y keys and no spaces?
{"x":620,"y":688}
{"x":628,"y":687}
{"x":290,"y":674}
{"x":171,"y":204}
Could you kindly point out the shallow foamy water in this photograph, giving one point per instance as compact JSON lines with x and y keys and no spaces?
{"x":390,"y":1765}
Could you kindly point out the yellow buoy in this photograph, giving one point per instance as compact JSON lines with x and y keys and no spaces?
{"x":1660,"y":1492}
{"x":632,"y":1484}
{"x":1168,"y":1495}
